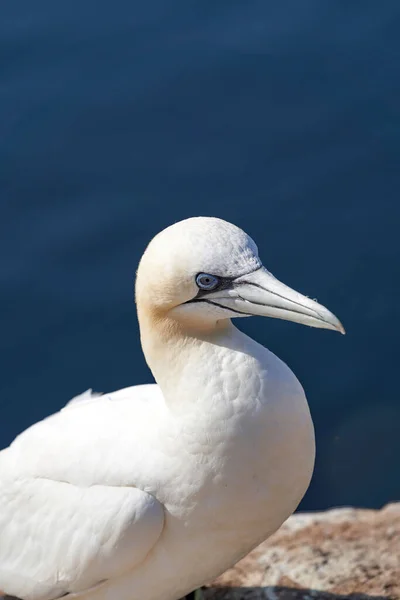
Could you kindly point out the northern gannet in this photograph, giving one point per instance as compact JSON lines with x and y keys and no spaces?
{"x":149,"y":492}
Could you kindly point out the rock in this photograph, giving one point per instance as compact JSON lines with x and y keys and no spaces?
{"x":340,"y":553}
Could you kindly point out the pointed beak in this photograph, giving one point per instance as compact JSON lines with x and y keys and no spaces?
{"x":260,"y":293}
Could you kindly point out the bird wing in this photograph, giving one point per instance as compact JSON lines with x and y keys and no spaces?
{"x":66,"y":525}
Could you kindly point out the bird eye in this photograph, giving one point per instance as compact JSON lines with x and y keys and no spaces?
{"x":206,"y":282}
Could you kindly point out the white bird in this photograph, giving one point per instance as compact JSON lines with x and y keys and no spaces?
{"x":149,"y":492}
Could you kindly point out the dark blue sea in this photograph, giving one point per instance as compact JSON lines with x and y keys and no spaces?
{"x":119,"y":118}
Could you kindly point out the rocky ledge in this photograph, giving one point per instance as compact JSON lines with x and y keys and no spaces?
{"x":342,"y":553}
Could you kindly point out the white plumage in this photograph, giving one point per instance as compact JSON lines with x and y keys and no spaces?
{"x":149,"y":492}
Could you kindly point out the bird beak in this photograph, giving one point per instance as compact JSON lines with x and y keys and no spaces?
{"x":260,"y":293}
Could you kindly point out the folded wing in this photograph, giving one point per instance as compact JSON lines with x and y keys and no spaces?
{"x":57,"y":538}
{"x":60,"y":536}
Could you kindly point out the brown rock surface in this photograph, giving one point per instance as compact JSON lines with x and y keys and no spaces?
{"x":342,"y":553}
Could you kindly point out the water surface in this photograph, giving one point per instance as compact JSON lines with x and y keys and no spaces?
{"x":283,"y":117}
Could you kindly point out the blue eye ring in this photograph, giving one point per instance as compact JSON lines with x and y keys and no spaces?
{"x":206,"y":282}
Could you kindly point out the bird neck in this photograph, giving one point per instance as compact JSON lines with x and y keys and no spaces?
{"x":187,"y":361}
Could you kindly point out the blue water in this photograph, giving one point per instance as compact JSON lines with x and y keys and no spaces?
{"x":118,"y":118}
